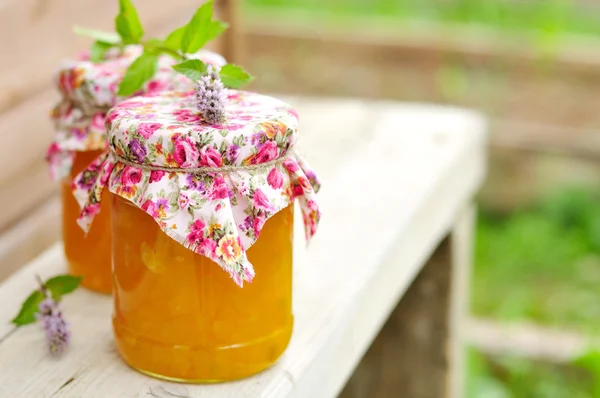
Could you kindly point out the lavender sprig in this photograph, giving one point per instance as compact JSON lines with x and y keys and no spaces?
{"x":211,"y":95}
{"x":57,"y":330}
{"x":42,"y":305}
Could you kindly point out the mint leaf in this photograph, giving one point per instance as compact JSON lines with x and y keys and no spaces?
{"x":234,"y":76}
{"x":173,"y":40}
{"x":128,"y":24}
{"x":215,"y":29}
{"x":61,"y":285}
{"x":199,"y":21}
{"x":157,"y":46}
{"x":98,"y":50}
{"x":201,"y":29}
{"x":139,"y":72}
{"x":29,"y":309}
{"x":153,"y":45}
{"x":192,"y":68}
{"x":98,"y":35}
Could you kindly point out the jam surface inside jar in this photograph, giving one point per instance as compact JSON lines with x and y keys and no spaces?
{"x":179,"y":316}
{"x":87,"y":256}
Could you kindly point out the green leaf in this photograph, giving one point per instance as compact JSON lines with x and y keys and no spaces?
{"x":201,"y":19}
{"x":139,"y":72}
{"x":98,"y":35}
{"x":61,"y":285}
{"x":173,"y":40}
{"x":98,"y":50}
{"x":215,"y":30}
{"x":200,"y":30}
{"x":192,"y":68}
{"x":234,"y":76}
{"x":29,"y":309}
{"x":158,"y":47}
{"x":128,"y":24}
{"x":153,"y":45}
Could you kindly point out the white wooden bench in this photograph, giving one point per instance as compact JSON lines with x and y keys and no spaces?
{"x":419,"y":167}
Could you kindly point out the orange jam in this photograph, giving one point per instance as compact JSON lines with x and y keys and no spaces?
{"x":179,"y":316}
{"x":87,"y":256}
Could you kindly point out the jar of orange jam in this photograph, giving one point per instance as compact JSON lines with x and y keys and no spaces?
{"x":202,"y":224}
{"x":89,"y":254}
{"x":88,"y":90}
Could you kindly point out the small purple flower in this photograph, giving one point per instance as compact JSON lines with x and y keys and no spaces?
{"x":195,"y":184}
{"x":138,"y":150}
{"x":164,"y":202}
{"x":57,"y":331}
{"x":310,"y":174}
{"x":256,"y":138}
{"x":232,"y":154}
{"x":247,"y":225}
{"x":79,"y":133}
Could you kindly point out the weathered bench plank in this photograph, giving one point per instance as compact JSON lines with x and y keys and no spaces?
{"x":426,"y":161}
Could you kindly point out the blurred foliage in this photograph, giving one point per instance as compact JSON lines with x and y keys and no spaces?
{"x":591,"y":363}
{"x":510,"y":377}
{"x":541,"y":264}
{"x":548,"y":17}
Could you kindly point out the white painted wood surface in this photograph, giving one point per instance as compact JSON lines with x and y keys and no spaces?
{"x":396,"y":178}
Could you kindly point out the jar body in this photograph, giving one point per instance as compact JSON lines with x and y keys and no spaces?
{"x":88,"y":255}
{"x":179,"y":316}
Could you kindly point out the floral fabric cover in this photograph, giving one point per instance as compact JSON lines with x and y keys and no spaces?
{"x":89,"y":90}
{"x":209,"y":187}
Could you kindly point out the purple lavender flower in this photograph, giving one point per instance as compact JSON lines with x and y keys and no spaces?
{"x":211,"y":96}
{"x":57,"y":331}
{"x":138,"y":150}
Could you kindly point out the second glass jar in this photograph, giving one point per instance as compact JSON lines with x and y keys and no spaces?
{"x":88,"y":255}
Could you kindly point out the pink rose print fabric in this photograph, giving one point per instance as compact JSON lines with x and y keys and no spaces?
{"x":89,"y":90}
{"x":236,"y":175}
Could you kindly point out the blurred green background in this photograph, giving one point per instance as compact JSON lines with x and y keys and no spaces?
{"x":538,"y":256}
{"x":550,"y":16}
{"x":540,"y":265}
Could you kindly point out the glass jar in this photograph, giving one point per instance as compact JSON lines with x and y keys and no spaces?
{"x":88,"y":255}
{"x":188,"y":197}
{"x":179,"y":316}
